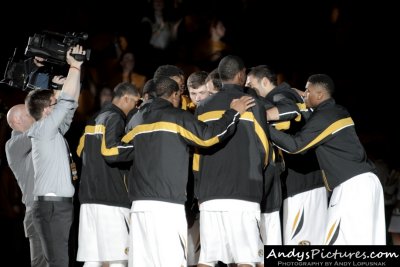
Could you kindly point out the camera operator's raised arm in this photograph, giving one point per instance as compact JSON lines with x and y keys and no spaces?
{"x":72,"y":82}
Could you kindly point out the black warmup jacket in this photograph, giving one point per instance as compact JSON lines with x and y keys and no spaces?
{"x":233,"y":169}
{"x":331,"y":132}
{"x":105,"y":160}
{"x":161,"y":136}
{"x":302,"y":171}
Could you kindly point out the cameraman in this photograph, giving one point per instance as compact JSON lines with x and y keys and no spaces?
{"x":53,"y":189}
{"x":39,"y":74}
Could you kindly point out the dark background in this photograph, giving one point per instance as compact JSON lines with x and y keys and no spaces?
{"x":298,"y":38}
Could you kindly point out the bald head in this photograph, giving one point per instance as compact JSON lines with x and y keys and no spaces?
{"x":19,"y":119}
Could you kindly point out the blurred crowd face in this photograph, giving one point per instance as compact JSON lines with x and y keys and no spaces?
{"x":218,"y":29}
{"x":105,"y":96}
{"x":128,"y":61}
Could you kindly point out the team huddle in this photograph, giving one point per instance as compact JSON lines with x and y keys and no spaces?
{"x":193,"y":180}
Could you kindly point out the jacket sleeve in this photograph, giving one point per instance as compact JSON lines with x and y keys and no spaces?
{"x":200,"y":134}
{"x":112,"y":148}
{"x":69,"y":107}
{"x":287,"y":108}
{"x":308,"y":137}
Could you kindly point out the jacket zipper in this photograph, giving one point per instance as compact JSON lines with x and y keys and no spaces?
{"x":126,"y":186}
{"x":325,"y":181}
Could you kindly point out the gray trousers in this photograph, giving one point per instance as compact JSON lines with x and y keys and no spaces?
{"x":36,"y":250}
{"x":53,"y":220}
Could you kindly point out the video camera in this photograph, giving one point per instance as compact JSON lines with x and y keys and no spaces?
{"x":53,"y":50}
{"x":52,"y":47}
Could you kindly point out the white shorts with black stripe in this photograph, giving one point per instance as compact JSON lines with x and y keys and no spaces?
{"x":304,"y":217}
{"x":229,"y":232}
{"x":356,"y":213}
{"x":103,"y":233}
{"x":158,"y":234}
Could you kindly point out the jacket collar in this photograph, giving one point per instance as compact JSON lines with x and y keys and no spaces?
{"x":326,"y":104}
{"x":232,"y":87}
{"x":160,"y":103}
{"x":112,"y":107}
